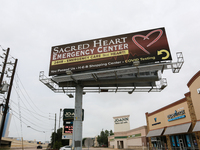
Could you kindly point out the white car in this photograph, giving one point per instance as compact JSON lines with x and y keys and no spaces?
{"x":67,"y":147}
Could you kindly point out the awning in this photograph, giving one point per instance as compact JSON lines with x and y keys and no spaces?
{"x":157,"y":132}
{"x":177,"y":129}
{"x":196,"y":127}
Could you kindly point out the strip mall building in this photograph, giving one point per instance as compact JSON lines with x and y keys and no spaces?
{"x":173,"y":127}
{"x":177,"y":125}
{"x":124,"y":138}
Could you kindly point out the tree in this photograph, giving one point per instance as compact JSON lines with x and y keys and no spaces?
{"x":56,"y":139}
{"x":111,"y":132}
{"x":83,"y":141}
{"x":103,"y":137}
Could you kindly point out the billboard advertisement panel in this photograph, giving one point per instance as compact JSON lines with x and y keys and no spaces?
{"x":144,"y":46}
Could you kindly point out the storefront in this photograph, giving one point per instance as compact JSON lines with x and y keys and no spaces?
{"x":124,"y":138}
{"x":176,"y":126}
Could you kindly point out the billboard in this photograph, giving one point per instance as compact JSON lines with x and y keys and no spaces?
{"x":121,"y":50}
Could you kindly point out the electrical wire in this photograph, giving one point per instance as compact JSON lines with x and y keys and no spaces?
{"x":28,"y":110}
{"x":31,"y":112}
{"x":20,"y":117}
{"x":41,"y":123}
{"x":19,"y":109}
{"x":27,"y":93}
{"x":16,"y":126}
{"x":28,"y":120}
{"x":27,"y":100}
{"x":28,"y":125}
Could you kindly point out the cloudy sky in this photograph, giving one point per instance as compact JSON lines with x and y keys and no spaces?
{"x":31,"y":28}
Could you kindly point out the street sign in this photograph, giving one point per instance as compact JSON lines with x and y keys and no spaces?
{"x":88,"y":142}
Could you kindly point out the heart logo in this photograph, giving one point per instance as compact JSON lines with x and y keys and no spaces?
{"x":147,"y":37}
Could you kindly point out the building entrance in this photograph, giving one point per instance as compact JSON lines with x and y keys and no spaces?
{"x":120,"y":144}
{"x":159,"y":143}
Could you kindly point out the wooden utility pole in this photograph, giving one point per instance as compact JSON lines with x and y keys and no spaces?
{"x":4,"y":66}
{"x":7,"y":100}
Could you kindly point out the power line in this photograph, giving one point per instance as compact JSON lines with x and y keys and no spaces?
{"x":27,"y":124}
{"x":28,"y":110}
{"x":31,"y":107}
{"x":41,"y":123}
{"x":27,"y":93}
{"x":27,"y":120}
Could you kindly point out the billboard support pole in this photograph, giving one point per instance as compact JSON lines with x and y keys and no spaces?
{"x":77,"y":124}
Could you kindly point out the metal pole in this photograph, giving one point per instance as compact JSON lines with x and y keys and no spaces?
{"x":7,"y":100}
{"x":59,"y":118}
{"x":77,"y":125}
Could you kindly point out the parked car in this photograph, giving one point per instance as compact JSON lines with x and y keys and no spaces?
{"x":67,"y":147}
{"x":39,"y":147}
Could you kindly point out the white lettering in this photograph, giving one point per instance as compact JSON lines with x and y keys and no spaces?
{"x":95,"y":43}
{"x":99,"y":49}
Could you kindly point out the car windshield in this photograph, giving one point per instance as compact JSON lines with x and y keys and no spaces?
{"x":67,"y":146}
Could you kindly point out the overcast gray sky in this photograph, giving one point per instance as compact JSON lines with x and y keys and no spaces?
{"x":31,"y":28}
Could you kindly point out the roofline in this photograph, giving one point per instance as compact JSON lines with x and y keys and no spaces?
{"x":121,"y":116}
{"x":168,"y":106}
{"x":193,"y":78}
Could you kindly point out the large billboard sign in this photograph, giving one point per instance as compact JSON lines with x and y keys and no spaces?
{"x":145,"y":47}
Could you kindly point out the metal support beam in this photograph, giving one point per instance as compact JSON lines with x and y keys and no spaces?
{"x":77,"y":124}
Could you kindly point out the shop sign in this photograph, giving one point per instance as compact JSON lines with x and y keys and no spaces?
{"x":67,"y":136}
{"x":68,"y":128}
{"x":68,"y":114}
{"x":176,"y":115}
{"x":134,"y":135}
{"x":155,"y":119}
{"x":121,"y":120}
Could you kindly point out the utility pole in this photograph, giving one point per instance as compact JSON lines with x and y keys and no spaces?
{"x":59,"y":117}
{"x":55,"y":131}
{"x":7,"y":99}
{"x":4,"y":66}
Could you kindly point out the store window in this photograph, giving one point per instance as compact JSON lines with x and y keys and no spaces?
{"x":183,"y":141}
{"x":159,"y":143}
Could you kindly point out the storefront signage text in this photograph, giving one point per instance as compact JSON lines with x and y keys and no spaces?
{"x":134,"y":135}
{"x":155,"y":119}
{"x":121,"y":120}
{"x":177,"y":115}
